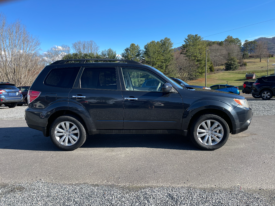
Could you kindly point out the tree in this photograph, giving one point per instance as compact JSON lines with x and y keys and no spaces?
{"x":56,"y":53}
{"x":261,"y":50}
{"x":194,"y":49}
{"x":159,"y":54}
{"x":218,"y":54}
{"x":132,"y":53}
{"x":230,"y":40}
{"x":109,"y":54}
{"x":20,"y":62}
{"x":249,"y":46}
{"x":81,"y":56}
{"x":231,"y":64}
{"x":183,"y":67}
{"x":86,"y":47}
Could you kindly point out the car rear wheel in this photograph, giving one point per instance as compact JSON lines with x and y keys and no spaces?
{"x":266,"y":94}
{"x":209,"y":132}
{"x":68,"y":133}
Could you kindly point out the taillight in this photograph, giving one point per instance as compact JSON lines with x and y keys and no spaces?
{"x":2,"y":91}
{"x":20,"y":91}
{"x":244,"y":85}
{"x":32,"y":95}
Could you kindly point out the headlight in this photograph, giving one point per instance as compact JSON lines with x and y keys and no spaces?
{"x":242,"y":102}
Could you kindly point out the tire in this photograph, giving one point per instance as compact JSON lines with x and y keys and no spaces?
{"x":11,"y":105}
{"x":256,"y":96}
{"x":78,"y":132}
{"x":198,"y":124}
{"x":19,"y":104}
{"x":266,"y":94}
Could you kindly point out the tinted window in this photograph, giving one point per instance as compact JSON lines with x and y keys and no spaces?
{"x":24,"y":89}
{"x":99,"y":78}
{"x":271,"y":79}
{"x":215,"y":87}
{"x":223,"y":86}
{"x":3,"y":86}
{"x":141,"y":80}
{"x":63,"y":77}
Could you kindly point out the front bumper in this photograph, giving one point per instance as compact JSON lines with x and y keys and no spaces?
{"x":245,"y":118}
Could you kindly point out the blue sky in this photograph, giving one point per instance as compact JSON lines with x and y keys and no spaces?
{"x":118,"y":23}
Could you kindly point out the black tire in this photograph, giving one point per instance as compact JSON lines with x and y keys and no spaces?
{"x":72,"y":119}
{"x":11,"y":105}
{"x":256,"y":96}
{"x":195,"y":139}
{"x":266,"y":94}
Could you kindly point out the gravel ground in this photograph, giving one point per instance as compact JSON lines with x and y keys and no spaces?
{"x":259,"y":107}
{"x":40,"y":193}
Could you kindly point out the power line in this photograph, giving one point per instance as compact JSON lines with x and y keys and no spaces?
{"x":235,"y":29}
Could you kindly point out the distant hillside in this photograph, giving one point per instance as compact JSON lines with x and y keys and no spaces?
{"x":270,"y":43}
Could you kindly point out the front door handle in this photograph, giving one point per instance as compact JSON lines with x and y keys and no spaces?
{"x":131,"y":98}
{"x":79,"y":97}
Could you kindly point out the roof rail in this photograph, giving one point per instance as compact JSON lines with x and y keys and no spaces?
{"x":83,"y":61}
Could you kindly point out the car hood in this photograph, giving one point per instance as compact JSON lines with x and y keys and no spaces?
{"x":215,"y":93}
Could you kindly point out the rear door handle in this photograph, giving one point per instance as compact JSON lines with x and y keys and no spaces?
{"x":79,"y":97}
{"x":131,"y":98}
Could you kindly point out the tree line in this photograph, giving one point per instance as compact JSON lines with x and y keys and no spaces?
{"x":21,"y":62}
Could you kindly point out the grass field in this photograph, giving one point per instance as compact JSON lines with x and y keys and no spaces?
{"x":237,"y":77}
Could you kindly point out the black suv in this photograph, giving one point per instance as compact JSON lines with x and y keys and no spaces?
{"x":264,"y":87}
{"x":71,"y":99}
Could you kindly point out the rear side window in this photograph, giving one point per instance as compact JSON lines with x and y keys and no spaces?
{"x":63,"y":77}
{"x":99,"y":78}
{"x":4,"y":86}
{"x":271,"y":79}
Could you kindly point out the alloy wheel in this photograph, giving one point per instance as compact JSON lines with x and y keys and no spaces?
{"x":210,"y":132}
{"x":67,"y":133}
{"x":266,"y":94}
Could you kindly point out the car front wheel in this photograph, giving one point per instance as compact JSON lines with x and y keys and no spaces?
{"x":68,"y":133}
{"x":209,"y":132}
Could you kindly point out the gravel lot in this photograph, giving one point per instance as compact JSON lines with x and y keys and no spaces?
{"x":40,"y":193}
{"x":259,"y":107}
{"x":43,"y":193}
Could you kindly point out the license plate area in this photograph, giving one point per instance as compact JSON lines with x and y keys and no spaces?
{"x":13,"y":94}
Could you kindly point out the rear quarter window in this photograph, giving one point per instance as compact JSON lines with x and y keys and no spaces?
{"x":62,"y":77}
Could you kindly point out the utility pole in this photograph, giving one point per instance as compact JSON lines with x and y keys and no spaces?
{"x":267,"y":66}
{"x":205,"y":67}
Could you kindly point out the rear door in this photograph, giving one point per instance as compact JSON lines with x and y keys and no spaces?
{"x":99,"y":92}
{"x":145,"y":105}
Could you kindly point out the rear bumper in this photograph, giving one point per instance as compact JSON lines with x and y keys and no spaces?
{"x":5,"y":100}
{"x":35,"y":121}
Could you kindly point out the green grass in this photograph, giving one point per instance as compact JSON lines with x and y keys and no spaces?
{"x":237,"y":78}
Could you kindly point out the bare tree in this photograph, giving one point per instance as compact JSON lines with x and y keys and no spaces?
{"x":19,"y":59}
{"x":86,"y":47}
{"x":218,"y":54}
{"x":261,"y":50}
{"x":185,"y":68}
{"x":55,"y":53}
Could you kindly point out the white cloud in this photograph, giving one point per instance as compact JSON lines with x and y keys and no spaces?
{"x":59,"y":48}
{"x":119,"y":56}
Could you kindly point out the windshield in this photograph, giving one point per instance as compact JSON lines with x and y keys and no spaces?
{"x":5,"y":86}
{"x":174,"y":81}
{"x":182,"y":82}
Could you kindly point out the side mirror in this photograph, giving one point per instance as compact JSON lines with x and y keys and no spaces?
{"x":167,"y":88}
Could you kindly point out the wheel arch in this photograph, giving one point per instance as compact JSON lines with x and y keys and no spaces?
{"x":217,"y":112}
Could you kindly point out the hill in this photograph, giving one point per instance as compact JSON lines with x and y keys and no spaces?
{"x":270,"y":43}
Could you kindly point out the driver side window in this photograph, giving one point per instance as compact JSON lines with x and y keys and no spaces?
{"x":141,"y":80}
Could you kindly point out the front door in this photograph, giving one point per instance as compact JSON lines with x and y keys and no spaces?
{"x":145,"y":105}
{"x":100,"y":94}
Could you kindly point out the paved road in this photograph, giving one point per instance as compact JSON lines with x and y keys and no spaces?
{"x":247,"y":160}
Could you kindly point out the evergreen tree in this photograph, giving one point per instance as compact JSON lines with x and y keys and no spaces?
{"x":109,"y":54}
{"x":231,"y":64}
{"x":132,"y":53}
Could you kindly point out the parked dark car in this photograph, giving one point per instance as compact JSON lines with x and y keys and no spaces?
{"x":24,"y":91}
{"x":265,"y":87}
{"x":226,"y":88}
{"x":71,"y":99}
{"x":247,"y":89}
{"x":10,"y":95}
{"x":183,"y":83}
